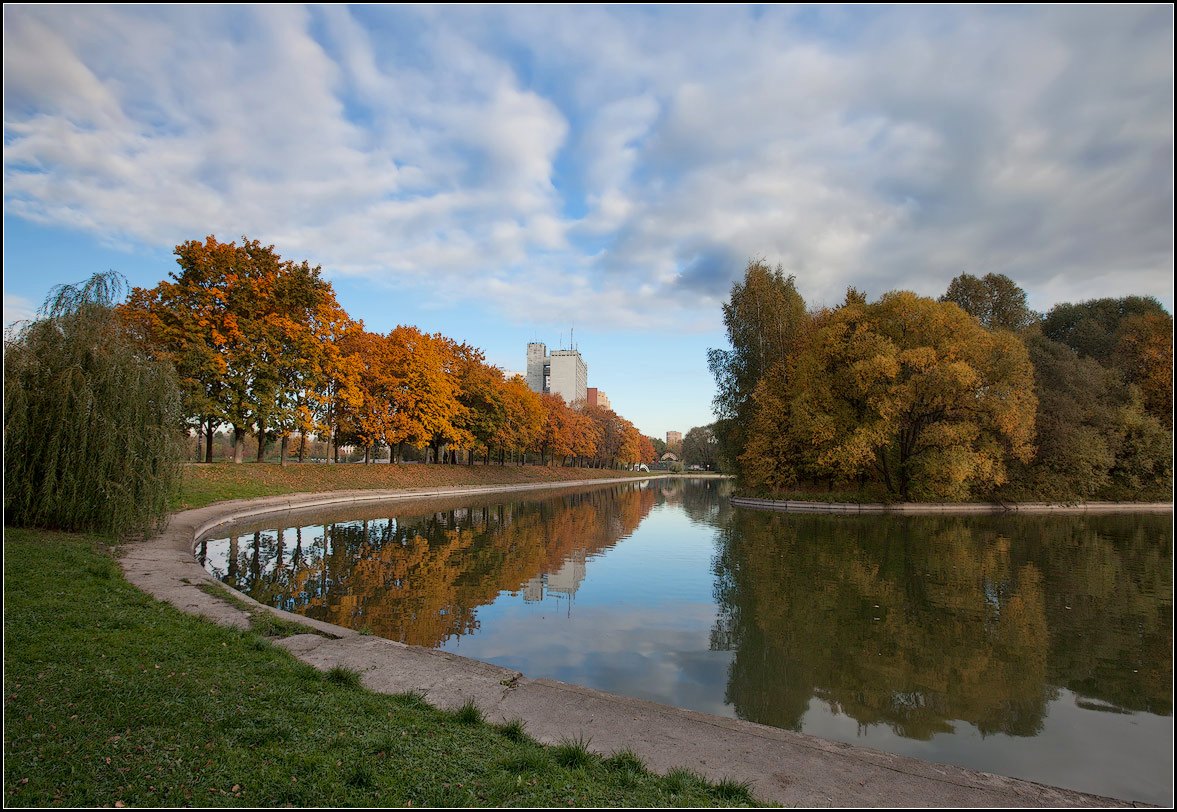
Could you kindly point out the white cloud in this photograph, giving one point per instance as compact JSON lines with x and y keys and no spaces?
{"x":635,"y":155}
{"x":17,"y":308}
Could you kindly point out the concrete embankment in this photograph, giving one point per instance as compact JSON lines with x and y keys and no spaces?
{"x":783,"y":767}
{"x":918,"y":508}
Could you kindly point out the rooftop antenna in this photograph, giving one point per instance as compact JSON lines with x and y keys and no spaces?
{"x":573,"y":339}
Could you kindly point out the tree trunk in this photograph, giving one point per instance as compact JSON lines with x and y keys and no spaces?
{"x":238,"y":445}
{"x":367,"y":453}
{"x":282,"y":452}
{"x":302,"y":445}
{"x":208,"y":441}
{"x":261,"y":441}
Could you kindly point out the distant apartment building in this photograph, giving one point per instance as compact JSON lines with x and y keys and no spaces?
{"x":673,"y":439}
{"x":596,"y":397}
{"x":563,"y":372}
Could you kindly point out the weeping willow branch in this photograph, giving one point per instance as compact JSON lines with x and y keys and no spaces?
{"x":91,"y":425}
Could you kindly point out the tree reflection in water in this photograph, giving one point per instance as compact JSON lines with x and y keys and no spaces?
{"x":918,"y":621}
{"x":912,"y":623}
{"x":420,"y":579}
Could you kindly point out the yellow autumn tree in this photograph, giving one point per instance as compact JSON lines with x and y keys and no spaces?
{"x":912,"y":392}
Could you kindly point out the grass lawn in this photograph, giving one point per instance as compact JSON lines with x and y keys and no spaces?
{"x":204,"y":484}
{"x":113,"y":698}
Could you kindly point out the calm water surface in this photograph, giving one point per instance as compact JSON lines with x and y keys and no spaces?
{"x":1034,"y":646}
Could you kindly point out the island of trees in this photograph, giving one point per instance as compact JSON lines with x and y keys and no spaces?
{"x":971,"y":396}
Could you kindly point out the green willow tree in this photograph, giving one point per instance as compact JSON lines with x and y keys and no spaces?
{"x":92,"y":436}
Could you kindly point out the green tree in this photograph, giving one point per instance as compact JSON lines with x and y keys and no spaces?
{"x":659,"y":446}
{"x":700,"y":447}
{"x":1093,"y":327}
{"x":995,"y":300}
{"x":764,"y":317}
{"x":92,"y":426}
{"x":1078,"y":403}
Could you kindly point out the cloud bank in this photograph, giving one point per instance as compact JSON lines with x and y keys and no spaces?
{"x":621,"y":163}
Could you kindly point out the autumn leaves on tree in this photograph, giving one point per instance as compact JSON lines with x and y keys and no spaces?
{"x":262,"y":345}
{"x":949,"y":399}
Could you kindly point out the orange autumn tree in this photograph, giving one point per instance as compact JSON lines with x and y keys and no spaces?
{"x":249,"y":333}
{"x":293,"y":349}
{"x":524,"y":421}
{"x":371,"y":418}
{"x":338,"y":378}
{"x":555,"y":441}
{"x":585,"y":436}
{"x":630,"y":453}
{"x":426,"y":396}
{"x":189,"y":321}
{"x":1144,"y":351}
{"x":450,"y":433}
{"x":480,"y":391}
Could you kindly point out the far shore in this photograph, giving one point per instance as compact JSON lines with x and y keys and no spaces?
{"x":915,"y":508}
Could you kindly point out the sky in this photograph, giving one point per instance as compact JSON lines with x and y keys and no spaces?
{"x":519,"y":173}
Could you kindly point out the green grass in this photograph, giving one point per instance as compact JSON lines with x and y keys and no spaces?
{"x":262,"y":621}
{"x":114,"y":698}
{"x":853,"y":497}
{"x":469,"y":714}
{"x":574,"y":753}
{"x":515,"y":730}
{"x":204,"y":484}
{"x":344,"y":677}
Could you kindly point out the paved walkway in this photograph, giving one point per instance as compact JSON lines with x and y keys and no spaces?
{"x":783,"y":767}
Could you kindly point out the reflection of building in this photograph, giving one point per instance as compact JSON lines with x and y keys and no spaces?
{"x":562,"y":373}
{"x":568,"y":578}
{"x":563,"y":583}
{"x":597,"y":398}
{"x":533,"y":590}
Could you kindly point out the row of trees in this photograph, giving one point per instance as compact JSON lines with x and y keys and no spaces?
{"x":969,"y":395}
{"x":262,"y":345}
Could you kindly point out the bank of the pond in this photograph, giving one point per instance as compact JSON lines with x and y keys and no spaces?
{"x":781,"y":766}
{"x":918,"y":508}
{"x":204,"y":484}
{"x":115,"y":699}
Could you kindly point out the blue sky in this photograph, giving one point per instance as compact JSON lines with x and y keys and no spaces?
{"x":505,"y":174}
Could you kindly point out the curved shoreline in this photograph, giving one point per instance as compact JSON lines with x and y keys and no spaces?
{"x":918,"y":508}
{"x":782,"y":766}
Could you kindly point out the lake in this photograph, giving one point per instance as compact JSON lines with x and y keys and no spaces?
{"x":1035,"y":646}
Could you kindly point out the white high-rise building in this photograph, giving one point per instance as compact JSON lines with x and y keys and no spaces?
{"x":562,"y":373}
{"x":537,"y":367}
